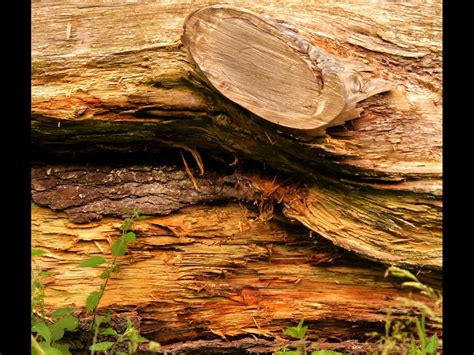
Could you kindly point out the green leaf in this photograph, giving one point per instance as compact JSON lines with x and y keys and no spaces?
{"x":35,"y":252}
{"x":401,"y":273}
{"x":64,"y":348}
{"x":292,"y":331}
{"x":105,"y":274}
{"x":61,"y":312}
{"x":126,"y":225}
{"x":326,"y":352}
{"x":141,"y":339}
{"x":110,"y":331}
{"x":34,"y":205}
{"x":301,"y":329}
{"x":92,"y":262}
{"x":103,"y":346}
{"x":290,"y":352}
{"x":132,"y":347}
{"x":154,"y":346}
{"x":142,"y":217}
{"x":413,"y":284}
{"x":92,"y":301}
{"x":119,"y":248}
{"x":57,"y":331}
{"x":413,"y":347}
{"x":50,"y":350}
{"x":432,"y":345}
{"x":44,"y":273}
{"x":68,"y":322}
{"x":42,"y":329}
{"x":297,"y":332}
{"x":130,"y":237}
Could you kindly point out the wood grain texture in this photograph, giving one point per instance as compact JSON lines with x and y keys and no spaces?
{"x":218,"y":272}
{"x":114,"y":79}
{"x":392,"y":227}
{"x":129,"y":87}
{"x":273,"y":71}
{"x":129,"y":82}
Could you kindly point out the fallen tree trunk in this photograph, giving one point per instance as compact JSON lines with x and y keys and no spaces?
{"x":142,"y":90}
{"x":88,"y":193}
{"x":95,"y":90}
{"x":219,"y":272}
{"x":223,"y":269}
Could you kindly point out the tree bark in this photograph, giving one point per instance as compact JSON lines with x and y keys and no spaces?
{"x":128,"y":83}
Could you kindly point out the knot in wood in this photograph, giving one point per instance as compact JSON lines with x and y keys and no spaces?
{"x":271,"y":70}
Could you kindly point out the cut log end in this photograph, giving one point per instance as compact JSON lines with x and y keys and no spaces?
{"x":246,"y":59}
{"x":271,"y":70}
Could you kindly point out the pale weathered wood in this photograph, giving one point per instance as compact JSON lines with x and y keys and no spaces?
{"x":134,"y":75}
{"x":116,"y":85}
{"x":273,"y":71}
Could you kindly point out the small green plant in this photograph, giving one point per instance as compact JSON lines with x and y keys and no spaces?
{"x":131,"y":335}
{"x":47,"y":332}
{"x":299,"y":332}
{"x":408,"y":333}
{"x":119,"y":248}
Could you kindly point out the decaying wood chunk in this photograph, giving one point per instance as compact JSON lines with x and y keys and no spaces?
{"x":392,"y":227}
{"x":272,"y":71}
{"x":216,"y":272}
{"x":127,"y":86}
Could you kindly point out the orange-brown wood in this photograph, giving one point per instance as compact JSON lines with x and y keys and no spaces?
{"x":216,"y":272}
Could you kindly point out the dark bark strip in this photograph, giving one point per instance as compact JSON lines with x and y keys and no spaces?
{"x":87,"y":194}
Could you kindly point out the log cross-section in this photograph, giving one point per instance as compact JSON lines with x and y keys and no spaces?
{"x":272,"y":71}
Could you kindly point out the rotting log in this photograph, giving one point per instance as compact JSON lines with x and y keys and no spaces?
{"x":103,"y":84}
{"x":219,"y":272}
{"x":89,"y":193}
{"x":228,"y":269}
{"x":130,"y":82}
{"x":115,"y":80}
